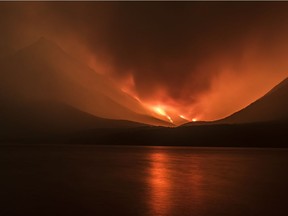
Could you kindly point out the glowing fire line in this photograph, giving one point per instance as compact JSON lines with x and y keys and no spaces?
{"x":160,"y":110}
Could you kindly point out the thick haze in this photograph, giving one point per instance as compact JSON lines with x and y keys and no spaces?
{"x":202,"y":60}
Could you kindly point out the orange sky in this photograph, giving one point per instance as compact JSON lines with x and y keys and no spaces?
{"x":193,"y":60}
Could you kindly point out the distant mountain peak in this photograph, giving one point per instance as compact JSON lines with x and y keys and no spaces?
{"x":44,"y":43}
{"x":273,"y":106}
{"x":44,"y":71}
{"x":282,"y":84}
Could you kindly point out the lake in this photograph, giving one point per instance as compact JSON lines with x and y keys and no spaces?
{"x":113,"y":180}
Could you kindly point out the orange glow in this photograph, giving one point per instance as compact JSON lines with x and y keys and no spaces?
{"x":229,"y":93}
{"x":181,"y":116}
{"x":160,"y":184}
{"x":159,"y":110}
{"x":169,"y":118}
{"x":232,"y":89}
{"x":166,"y":175}
{"x":161,"y":107}
{"x":213,"y":87}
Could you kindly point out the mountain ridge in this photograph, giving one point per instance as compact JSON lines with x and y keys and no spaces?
{"x":273,"y":106}
{"x":44,"y":70}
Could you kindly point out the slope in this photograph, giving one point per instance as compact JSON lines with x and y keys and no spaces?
{"x":43,"y":71}
{"x":271,"y":107}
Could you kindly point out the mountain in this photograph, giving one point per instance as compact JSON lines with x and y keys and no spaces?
{"x":44,"y":72}
{"x":49,"y":118}
{"x":273,"y":106}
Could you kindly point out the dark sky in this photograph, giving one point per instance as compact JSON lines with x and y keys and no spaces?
{"x":210,"y":58}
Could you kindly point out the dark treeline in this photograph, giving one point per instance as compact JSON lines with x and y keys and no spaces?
{"x":241,"y":135}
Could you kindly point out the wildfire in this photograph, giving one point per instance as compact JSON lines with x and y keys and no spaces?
{"x":159,"y":110}
{"x":162,"y":109}
{"x":184,"y":117}
{"x":169,"y":118}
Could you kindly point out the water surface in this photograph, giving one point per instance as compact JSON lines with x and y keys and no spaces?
{"x":98,"y":180}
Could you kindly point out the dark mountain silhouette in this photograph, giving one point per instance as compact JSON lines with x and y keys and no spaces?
{"x":47,"y":96}
{"x":42,"y":119}
{"x":44,"y":72}
{"x":273,"y":106}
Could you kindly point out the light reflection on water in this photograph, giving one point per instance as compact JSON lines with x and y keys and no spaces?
{"x":159,"y":181}
{"x":214,"y":182}
{"x":171,"y":185}
{"x":144,"y":181}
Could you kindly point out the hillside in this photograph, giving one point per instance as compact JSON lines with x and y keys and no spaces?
{"x":44,"y":72}
{"x":273,"y":106}
{"x":40,"y":119}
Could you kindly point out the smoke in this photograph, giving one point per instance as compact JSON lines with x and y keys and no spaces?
{"x":199,"y":59}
